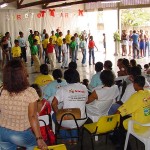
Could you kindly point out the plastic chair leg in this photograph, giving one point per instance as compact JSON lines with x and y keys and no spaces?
{"x":126,"y":141}
{"x":136,"y":143}
{"x":92,"y":142}
{"x":147,"y":145}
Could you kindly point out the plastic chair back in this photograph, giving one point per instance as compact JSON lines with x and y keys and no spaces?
{"x":44,"y":120}
{"x":107,"y":123}
{"x":54,"y":147}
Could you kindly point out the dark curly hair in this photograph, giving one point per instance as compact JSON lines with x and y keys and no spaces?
{"x":15,"y":76}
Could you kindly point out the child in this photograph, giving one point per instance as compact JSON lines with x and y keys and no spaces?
{"x":73,"y":48}
{"x":82,"y":45}
{"x":65,"y":55}
{"x":91,"y":50}
{"x":16,"y":50}
{"x":45,"y":43}
{"x":44,"y":108}
{"x":34,"y":53}
{"x":50,"y":53}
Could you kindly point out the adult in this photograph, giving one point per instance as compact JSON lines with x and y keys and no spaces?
{"x":23,"y":45}
{"x":96,"y":81}
{"x":52,"y":87}
{"x":130,"y":42}
{"x":137,"y":106}
{"x":135,"y":46}
{"x":124,"y":42}
{"x":18,"y":104}
{"x":5,"y":50}
{"x":102,"y":97}
{"x":147,"y":46}
{"x":74,"y":95}
{"x":7,"y":34}
{"x":142,"y":43}
{"x":108,"y":66}
{"x":45,"y":78}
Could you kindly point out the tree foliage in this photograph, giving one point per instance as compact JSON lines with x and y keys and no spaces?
{"x":135,"y":17}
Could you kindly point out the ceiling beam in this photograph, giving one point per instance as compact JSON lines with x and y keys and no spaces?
{"x":71,"y":3}
{"x":37,"y":3}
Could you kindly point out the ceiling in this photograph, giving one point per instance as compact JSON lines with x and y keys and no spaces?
{"x":46,"y":4}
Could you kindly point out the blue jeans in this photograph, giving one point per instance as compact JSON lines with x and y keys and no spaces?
{"x":76,"y":51}
{"x":84,"y":56}
{"x":147,"y":47}
{"x":10,"y":139}
{"x":113,"y":109}
{"x":59,"y":53}
{"x":91,"y":53}
{"x":73,"y":55}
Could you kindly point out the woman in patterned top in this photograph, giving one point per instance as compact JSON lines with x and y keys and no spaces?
{"x":18,"y":110}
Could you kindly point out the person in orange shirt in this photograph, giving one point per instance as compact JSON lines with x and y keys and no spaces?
{"x":91,"y":50}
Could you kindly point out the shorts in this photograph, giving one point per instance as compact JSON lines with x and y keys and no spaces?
{"x":124,"y":42}
{"x":130,"y":43}
{"x":142,"y":45}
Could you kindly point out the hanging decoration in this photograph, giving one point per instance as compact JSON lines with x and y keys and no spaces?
{"x":80,"y":12}
{"x":52,"y":12}
{"x":42,"y":13}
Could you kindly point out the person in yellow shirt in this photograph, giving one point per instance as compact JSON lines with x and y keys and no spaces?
{"x":44,"y":44}
{"x":68,"y":41}
{"x":37,"y":37}
{"x":54,"y":39}
{"x":137,"y":107}
{"x":45,"y":78}
{"x":16,"y":50}
{"x":59,"y":43}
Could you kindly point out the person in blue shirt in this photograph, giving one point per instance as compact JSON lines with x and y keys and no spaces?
{"x":135,"y":38}
{"x":52,"y":87}
{"x":96,"y":81}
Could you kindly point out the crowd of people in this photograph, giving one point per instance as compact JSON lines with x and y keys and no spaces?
{"x":49,"y":47}
{"x":22,"y":103}
{"x":138,"y":43}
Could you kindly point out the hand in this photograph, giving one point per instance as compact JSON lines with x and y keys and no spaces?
{"x":42,"y":145}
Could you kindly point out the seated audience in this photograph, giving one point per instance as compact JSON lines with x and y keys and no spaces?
{"x":52,"y":87}
{"x":135,"y":71}
{"x":137,"y":106}
{"x":44,"y":108}
{"x":96,"y":81}
{"x":17,"y":118}
{"x":124,"y":65}
{"x":74,"y":95}
{"x":108,"y":66}
{"x":102,"y":97}
{"x":45,"y":78}
{"x":133,"y":63}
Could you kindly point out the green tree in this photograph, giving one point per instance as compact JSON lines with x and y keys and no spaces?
{"x":135,"y":17}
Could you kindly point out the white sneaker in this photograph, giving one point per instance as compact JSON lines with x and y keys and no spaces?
{"x":84,"y":65}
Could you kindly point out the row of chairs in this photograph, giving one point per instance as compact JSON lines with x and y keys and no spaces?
{"x":104,"y":126}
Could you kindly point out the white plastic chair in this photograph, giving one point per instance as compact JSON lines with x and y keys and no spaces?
{"x":143,"y":137}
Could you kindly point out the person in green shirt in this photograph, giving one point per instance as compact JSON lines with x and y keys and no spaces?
{"x":73,"y":48}
{"x":34,"y":54}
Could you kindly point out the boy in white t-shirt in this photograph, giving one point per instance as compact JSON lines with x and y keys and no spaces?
{"x":65,"y":55}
